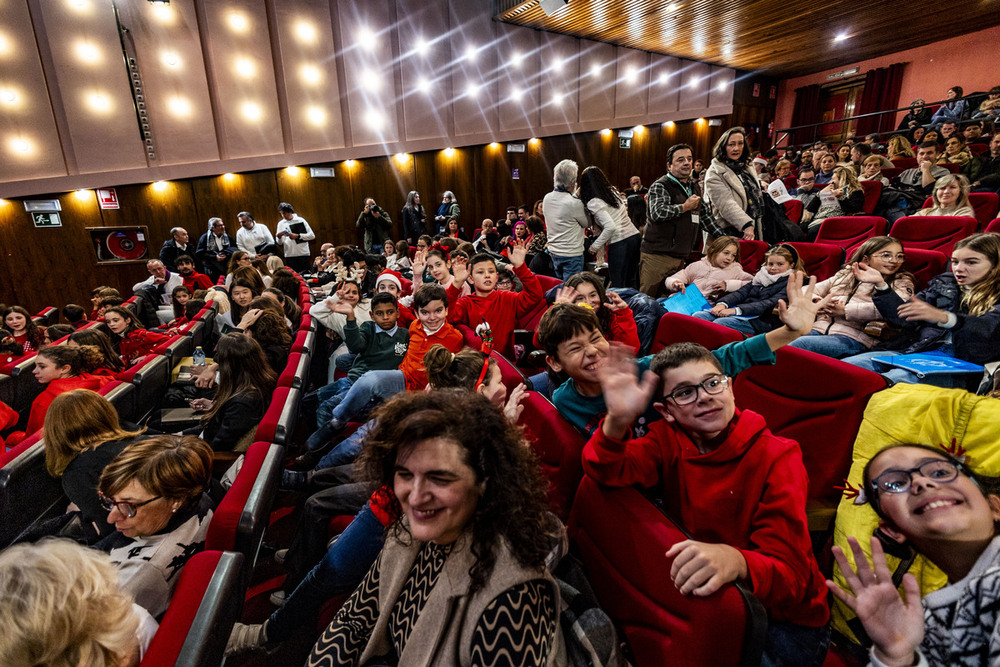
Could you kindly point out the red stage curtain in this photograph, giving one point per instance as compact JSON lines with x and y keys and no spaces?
{"x":805,"y":112}
{"x":881,"y":92}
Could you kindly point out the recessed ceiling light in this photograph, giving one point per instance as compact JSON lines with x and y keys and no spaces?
{"x":306,"y":31}
{"x":841,"y":37}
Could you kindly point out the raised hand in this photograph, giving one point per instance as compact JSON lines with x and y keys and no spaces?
{"x":615,"y":302}
{"x":343,"y":308}
{"x":460,"y":271}
{"x":624,"y":395}
{"x":867,"y":274}
{"x":419,"y":261}
{"x":798,"y":313}
{"x":517,"y":253}
{"x":567,"y":295}
{"x":895,"y":626}
{"x":513,"y":409}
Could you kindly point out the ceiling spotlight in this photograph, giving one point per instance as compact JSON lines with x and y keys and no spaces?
{"x":245,"y":67}
{"x":316,"y":115}
{"x":349,"y":163}
{"x":533,"y":141}
{"x":557,"y":98}
{"x":494,"y":145}
{"x":472,"y":89}
{"x":422,"y":46}
{"x":515,"y":59}
{"x":179,"y":106}
{"x":87,"y":52}
{"x":470,"y":53}
{"x":306,"y":32}
{"x":449,"y":152}
{"x":161,"y":3}
{"x":557,"y":65}
{"x":238,"y":22}
{"x":160,"y":186}
{"x":401,"y":158}
{"x":639,"y":129}
{"x":82,"y":195}
{"x":663,"y":78}
{"x":311,"y":75}
{"x":292,"y":171}
{"x":8,"y":96}
{"x":595,"y":69}
{"x":375,"y":119}
{"x":251,"y":111}
{"x":424,"y":86}
{"x":606,"y":132}
{"x":631,"y":74}
{"x":366,"y":39}
{"x":841,"y":37}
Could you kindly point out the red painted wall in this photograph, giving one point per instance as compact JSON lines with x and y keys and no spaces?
{"x":966,"y":61}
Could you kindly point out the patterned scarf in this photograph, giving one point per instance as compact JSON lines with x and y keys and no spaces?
{"x":755,"y":196}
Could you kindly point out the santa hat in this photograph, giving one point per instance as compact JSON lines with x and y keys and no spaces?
{"x":391,"y":276}
{"x":760,"y":160}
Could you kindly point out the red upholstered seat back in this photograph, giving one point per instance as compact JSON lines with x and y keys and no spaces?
{"x":891,"y":172}
{"x":986,"y":206}
{"x":904,"y":162}
{"x":790,"y":182}
{"x":848,"y":232}
{"x":820,"y":259}
{"x":816,"y":401}
{"x":678,"y":328}
{"x":873,"y":190}
{"x":793,"y":209}
{"x":933,"y":232}
{"x":993,"y":227}
{"x":622,"y":539}
{"x":752,"y":255}
{"x":925,"y":264}
{"x":509,"y":373}
{"x":558,"y":445}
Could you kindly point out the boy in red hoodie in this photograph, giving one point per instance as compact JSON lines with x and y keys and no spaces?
{"x":498,"y":309}
{"x":736,"y":487}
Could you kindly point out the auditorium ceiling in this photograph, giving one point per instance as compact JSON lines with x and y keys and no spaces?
{"x":789,"y":38}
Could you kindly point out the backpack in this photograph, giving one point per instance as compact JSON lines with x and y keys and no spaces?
{"x":776,"y":226}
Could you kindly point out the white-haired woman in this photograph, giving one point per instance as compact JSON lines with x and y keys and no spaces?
{"x":565,"y":220}
{"x":447,"y":211}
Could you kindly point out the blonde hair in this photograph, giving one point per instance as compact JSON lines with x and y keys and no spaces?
{"x":963,"y":190}
{"x":62,"y":606}
{"x":982,"y":297}
{"x":899,"y":146}
{"x":274,"y":263}
{"x":847,"y":178}
{"x":873,"y":159}
{"x":221,"y":300}
{"x":75,"y":422}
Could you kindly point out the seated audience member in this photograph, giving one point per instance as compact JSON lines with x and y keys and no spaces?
{"x":806,"y":190}
{"x":487,"y":307}
{"x":246,"y":286}
{"x":972,"y":131}
{"x":990,"y":107}
{"x":824,"y":173}
{"x":840,"y":328}
{"x":843,"y":196}
{"x":265,"y":322}
{"x":989,"y":174}
{"x":82,"y":436}
{"x":57,"y":331}
{"x":155,"y":495}
{"x":715,"y":274}
{"x":899,"y":146}
{"x":215,"y":248}
{"x":953,"y":110}
{"x":155,"y":292}
{"x":438,"y":262}
{"x":739,"y":490}
{"x":491,"y":554}
{"x":575,"y":347}
{"x":190,"y":310}
{"x":292,"y":310}
{"x":918,"y":115}
{"x":950,"y":197}
{"x":23,"y":329}
{"x":488,"y":238}
{"x":956,"y":152}
{"x":520,"y":233}
{"x":932,"y":136}
{"x":100,"y":297}
{"x":349,"y":293}
{"x":431,"y":328}
{"x":454,"y":231}
{"x":63,"y":606}
{"x":192,"y":279}
{"x":956,"y":625}
{"x":782,"y":168}
{"x":749,"y":309}
{"x":128,"y":337}
{"x":917,"y":183}
{"x":260,"y":263}
{"x":75,"y":315}
{"x":949,"y":129}
{"x":179,"y":298}
{"x":174,"y":247}
{"x":111,"y":362}
{"x":285,"y":280}
{"x":615,"y":317}
{"x":505,"y":280}
{"x":402,"y":261}
{"x":871,"y":170}
{"x":237,"y":260}
{"x":958,"y":315}
{"x":245,"y":385}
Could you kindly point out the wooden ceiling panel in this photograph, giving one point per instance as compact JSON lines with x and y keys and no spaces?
{"x":787,"y":38}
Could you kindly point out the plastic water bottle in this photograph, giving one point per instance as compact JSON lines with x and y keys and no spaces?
{"x":198,"y":358}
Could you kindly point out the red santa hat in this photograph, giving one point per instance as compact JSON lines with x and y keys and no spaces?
{"x":391,"y":276}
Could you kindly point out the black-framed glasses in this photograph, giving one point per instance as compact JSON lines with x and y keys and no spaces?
{"x":687,"y":394}
{"x":900,"y":481}
{"x":128,"y":510}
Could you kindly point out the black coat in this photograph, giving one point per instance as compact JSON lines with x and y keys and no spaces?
{"x":760,"y":301}
{"x":170,"y":252}
{"x":206,"y":254}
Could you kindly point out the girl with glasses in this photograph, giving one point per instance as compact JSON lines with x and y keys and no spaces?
{"x":932,"y":502}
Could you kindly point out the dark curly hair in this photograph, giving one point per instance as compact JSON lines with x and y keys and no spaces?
{"x":513,"y":507}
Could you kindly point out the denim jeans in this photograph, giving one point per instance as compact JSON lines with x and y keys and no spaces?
{"x":346,"y":451}
{"x":623,"y":262}
{"x":330,"y":397}
{"x":901,"y":375}
{"x":343,"y":567}
{"x":738,"y":323}
{"x":790,"y":645}
{"x":541,"y":384}
{"x":373,"y":384}
{"x":566,"y":266}
{"x":829,"y":345}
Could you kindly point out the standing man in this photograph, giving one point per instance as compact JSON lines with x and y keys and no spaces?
{"x":375,"y":223}
{"x":565,"y":220}
{"x":673,"y":223}
{"x":177,"y":245}
{"x":215,"y":247}
{"x":253,"y":236}
{"x":635,"y":200}
{"x":294,"y":235}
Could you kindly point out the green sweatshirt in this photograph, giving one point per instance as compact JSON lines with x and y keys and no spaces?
{"x":377,"y":350}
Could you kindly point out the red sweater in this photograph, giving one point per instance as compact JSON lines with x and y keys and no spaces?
{"x":413,"y":363}
{"x":41,"y":404}
{"x":749,"y":493}
{"x":499,"y":309}
{"x":197,"y":281}
{"x":138,"y":343}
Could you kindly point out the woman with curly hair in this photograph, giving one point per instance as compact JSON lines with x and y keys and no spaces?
{"x":474,"y":530}
{"x":899,"y":146}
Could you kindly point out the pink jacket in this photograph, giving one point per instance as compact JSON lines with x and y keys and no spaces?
{"x":703,"y":274}
{"x":858,"y":311}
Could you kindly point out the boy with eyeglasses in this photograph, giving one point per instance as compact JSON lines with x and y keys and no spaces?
{"x":739,"y":490}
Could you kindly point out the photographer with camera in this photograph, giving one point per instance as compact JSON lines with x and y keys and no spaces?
{"x":376,"y":223}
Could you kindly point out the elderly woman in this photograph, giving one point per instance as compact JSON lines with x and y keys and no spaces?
{"x":446,"y":212}
{"x":565,"y":220}
{"x":62,"y":606}
{"x":871,"y":170}
{"x":462,"y":578}
{"x":155,"y":494}
{"x":732,"y":187}
{"x":950,"y":196}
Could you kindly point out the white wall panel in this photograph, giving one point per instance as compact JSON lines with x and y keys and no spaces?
{"x":474,"y":55}
{"x":517,"y":86}
{"x":664,"y":86}
{"x":597,"y":81}
{"x":559,"y":94}
{"x":366,"y":42}
{"x":632,"y":83}
{"x":425,"y":48}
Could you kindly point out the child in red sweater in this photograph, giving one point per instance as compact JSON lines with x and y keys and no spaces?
{"x":486,"y":306}
{"x":739,"y":489}
{"x":133,"y":342}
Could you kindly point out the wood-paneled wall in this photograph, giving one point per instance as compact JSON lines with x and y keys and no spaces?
{"x":55,"y":266}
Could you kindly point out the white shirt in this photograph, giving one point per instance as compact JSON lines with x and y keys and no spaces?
{"x":248,"y":239}
{"x":292,"y":247}
{"x":173,"y":280}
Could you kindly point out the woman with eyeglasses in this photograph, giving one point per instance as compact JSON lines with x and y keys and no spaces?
{"x":841,"y":327}
{"x":932,"y":502}
{"x":950,"y":197}
{"x":155,"y":495}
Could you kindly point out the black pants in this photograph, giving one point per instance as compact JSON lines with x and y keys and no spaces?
{"x":298,"y":264}
{"x":149,"y":301}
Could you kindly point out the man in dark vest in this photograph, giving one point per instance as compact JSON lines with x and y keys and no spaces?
{"x":672,"y":221}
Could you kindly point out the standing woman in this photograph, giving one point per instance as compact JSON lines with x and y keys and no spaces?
{"x":23,"y":329}
{"x":447,"y":211}
{"x":607,"y":205}
{"x":414,"y":218}
{"x":733,"y":189}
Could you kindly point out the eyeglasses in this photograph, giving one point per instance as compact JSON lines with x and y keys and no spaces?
{"x":807,"y":180}
{"x":687,"y":394}
{"x":886,"y":256}
{"x":900,"y":481}
{"x":128,"y":510}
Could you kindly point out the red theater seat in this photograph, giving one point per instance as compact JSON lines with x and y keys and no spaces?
{"x":622,"y":539}
{"x":984,"y":204}
{"x":511,"y":375}
{"x":752,"y":255}
{"x":305,"y":341}
{"x":925,"y":264}
{"x":993,"y":227}
{"x":296,"y":373}
{"x":206,"y":604}
{"x":849,"y":232}
{"x":151,"y":376}
{"x":46,"y":317}
{"x":175,"y":348}
{"x":678,"y":328}
{"x":904,"y":162}
{"x":790,"y":182}
{"x":558,"y":445}
{"x":891,"y":172}
{"x":278,"y":422}
{"x":793,"y":209}
{"x":932,"y":232}
{"x":820,"y":259}
{"x":873,"y":190}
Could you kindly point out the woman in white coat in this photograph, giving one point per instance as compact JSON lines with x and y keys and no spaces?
{"x":732,"y":187}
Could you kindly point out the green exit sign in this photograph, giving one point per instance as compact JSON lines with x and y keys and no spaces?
{"x":46,"y":219}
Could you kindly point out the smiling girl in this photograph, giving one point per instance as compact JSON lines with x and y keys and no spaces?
{"x":437,"y":261}
{"x":932,"y":501}
{"x":718,"y":272}
{"x":957,"y":315}
{"x":951,"y":197}
{"x":127,"y":335}
{"x":23,"y":329}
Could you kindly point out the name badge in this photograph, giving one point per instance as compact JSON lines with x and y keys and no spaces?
{"x":695,"y":218}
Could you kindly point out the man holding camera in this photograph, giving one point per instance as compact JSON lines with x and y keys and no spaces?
{"x":376,"y":224}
